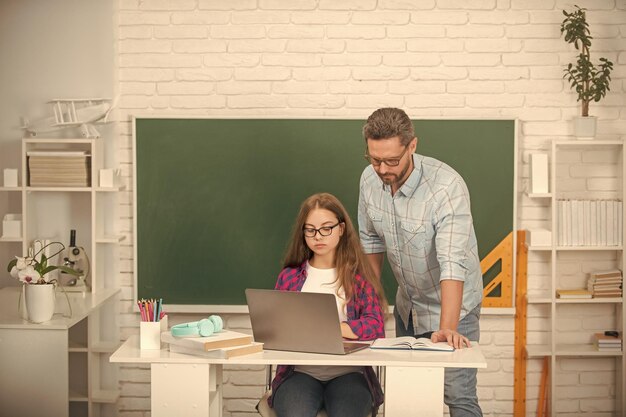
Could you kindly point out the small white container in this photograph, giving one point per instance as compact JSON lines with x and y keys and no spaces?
{"x":150,"y":333}
{"x":539,"y":237}
{"x":106,"y":178}
{"x":12,"y":225}
{"x":10,"y":177}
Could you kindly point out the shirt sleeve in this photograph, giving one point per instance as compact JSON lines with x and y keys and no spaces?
{"x":370,"y":320}
{"x":286,"y":279}
{"x":370,"y":240}
{"x":454,"y":229}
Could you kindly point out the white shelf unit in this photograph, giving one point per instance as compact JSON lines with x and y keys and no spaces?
{"x":50,"y":213}
{"x":72,"y":352}
{"x":584,"y":170}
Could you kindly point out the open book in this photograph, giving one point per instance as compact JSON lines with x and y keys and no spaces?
{"x":410,"y":343}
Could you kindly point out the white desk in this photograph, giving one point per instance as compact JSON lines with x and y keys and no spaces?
{"x":38,"y":377}
{"x":192,"y":385}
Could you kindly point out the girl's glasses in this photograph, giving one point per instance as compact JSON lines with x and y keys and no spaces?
{"x":323,"y":231}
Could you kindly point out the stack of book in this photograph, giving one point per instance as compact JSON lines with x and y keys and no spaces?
{"x":605,"y":283}
{"x":225,"y":344}
{"x":606,"y":343}
{"x":59,"y":169}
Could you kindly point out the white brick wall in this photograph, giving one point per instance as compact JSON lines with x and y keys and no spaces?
{"x":436,"y":58}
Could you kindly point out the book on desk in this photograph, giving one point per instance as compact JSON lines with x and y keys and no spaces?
{"x":224,"y":344}
{"x":411,"y":343}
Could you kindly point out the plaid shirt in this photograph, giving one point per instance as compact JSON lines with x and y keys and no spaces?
{"x":427,"y":232}
{"x":365,"y":318}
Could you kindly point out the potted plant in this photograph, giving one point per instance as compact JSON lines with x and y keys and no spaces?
{"x":34,"y":272}
{"x":590,"y":82}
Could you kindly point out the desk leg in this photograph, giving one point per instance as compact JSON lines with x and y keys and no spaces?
{"x":193,"y":390}
{"x":413,"y":391}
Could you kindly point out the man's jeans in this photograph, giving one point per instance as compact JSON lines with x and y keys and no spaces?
{"x":301,"y":395}
{"x":459,"y":383}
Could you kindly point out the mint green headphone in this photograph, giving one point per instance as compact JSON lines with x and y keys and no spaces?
{"x":202,"y":328}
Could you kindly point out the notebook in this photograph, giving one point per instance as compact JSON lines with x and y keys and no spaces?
{"x":298,"y":322}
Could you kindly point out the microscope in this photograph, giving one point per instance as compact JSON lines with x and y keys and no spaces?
{"x":77,"y":259}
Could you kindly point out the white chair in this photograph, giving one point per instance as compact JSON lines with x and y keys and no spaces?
{"x":264,"y":408}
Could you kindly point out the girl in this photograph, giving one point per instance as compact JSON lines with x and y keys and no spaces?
{"x":325,"y":255}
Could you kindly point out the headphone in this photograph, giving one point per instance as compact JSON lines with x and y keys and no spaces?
{"x":204,"y":327}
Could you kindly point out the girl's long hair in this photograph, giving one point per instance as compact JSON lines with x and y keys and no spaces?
{"x":349,"y":256}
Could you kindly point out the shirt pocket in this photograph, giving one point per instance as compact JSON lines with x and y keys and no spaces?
{"x":376,"y":217}
{"x":413,"y":234}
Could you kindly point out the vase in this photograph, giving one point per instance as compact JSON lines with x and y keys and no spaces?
{"x":585,"y":127}
{"x":40,"y":302}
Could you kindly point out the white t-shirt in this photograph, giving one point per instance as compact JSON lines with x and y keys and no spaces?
{"x":324,"y":281}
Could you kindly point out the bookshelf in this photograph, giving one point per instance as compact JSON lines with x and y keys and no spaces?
{"x":50,"y":212}
{"x":579,"y":170}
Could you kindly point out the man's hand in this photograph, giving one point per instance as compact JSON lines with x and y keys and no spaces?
{"x":454,"y":338}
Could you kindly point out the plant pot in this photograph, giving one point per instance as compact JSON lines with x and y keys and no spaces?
{"x":585,"y":127}
{"x":40,"y":302}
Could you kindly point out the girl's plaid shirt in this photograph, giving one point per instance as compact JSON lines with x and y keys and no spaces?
{"x":365,"y":318}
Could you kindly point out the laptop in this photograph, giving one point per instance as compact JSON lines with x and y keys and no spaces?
{"x":298,"y":322}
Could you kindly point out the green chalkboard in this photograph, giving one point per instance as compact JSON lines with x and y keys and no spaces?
{"x":216,"y":198}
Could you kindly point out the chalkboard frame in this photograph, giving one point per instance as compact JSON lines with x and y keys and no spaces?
{"x":242,"y":308}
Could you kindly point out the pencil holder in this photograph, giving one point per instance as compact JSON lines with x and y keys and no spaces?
{"x":150,"y":333}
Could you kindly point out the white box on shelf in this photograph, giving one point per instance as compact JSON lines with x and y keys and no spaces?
{"x":539,"y":173}
{"x":12,"y":225}
{"x":106,"y":178}
{"x":539,"y":237}
{"x":10,"y":177}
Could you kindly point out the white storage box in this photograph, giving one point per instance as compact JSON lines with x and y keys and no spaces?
{"x":106,"y":178}
{"x":10,"y":177}
{"x":539,"y":237}
{"x":12,"y":225}
{"x":539,"y":173}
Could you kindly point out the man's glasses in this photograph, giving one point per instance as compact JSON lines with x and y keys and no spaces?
{"x":390,"y":162}
{"x":323,"y":231}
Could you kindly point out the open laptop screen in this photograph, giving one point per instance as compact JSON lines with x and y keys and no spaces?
{"x":296,"y":321}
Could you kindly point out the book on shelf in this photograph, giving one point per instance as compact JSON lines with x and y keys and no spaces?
{"x":610,"y":227}
{"x":611,"y":273}
{"x":620,"y":225}
{"x":605,"y":288}
{"x":222,"y":353}
{"x":604,"y":342}
{"x":606,"y":348}
{"x":574,"y":293}
{"x":410,"y":343}
{"x":54,"y":154}
{"x":561,"y":222}
{"x":608,"y":295}
{"x":604,"y":281}
{"x":604,"y":285}
{"x":604,"y":338}
{"x":219,"y":340}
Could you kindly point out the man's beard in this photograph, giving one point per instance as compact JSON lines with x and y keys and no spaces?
{"x":393,"y":179}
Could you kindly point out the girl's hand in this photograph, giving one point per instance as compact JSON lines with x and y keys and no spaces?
{"x":347,"y":332}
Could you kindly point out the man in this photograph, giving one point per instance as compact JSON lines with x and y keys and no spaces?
{"x":417,"y":210}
